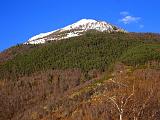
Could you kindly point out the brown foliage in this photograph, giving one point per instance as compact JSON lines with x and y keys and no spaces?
{"x":65,"y":95}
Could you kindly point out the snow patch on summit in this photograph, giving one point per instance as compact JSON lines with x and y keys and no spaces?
{"x":41,"y":35}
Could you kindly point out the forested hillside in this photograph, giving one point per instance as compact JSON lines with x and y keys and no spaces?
{"x":97,"y":76}
{"x":95,"y":50}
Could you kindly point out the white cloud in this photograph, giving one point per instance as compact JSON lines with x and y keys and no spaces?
{"x":124,"y":13}
{"x":130,"y":19}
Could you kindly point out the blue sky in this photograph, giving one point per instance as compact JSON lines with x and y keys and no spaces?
{"x":22,"y":19}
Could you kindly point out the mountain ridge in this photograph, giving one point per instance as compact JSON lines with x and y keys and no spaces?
{"x":73,"y":30}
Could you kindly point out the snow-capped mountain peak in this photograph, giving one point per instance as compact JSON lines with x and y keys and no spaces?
{"x":73,"y":30}
{"x":87,"y":24}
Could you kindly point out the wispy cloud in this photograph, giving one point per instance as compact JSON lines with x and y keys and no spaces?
{"x":130,"y":19}
{"x":124,"y":13}
{"x":127,"y":18}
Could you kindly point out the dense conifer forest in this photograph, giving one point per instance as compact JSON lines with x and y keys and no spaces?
{"x":92,"y":51}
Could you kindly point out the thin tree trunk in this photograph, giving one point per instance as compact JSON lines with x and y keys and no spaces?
{"x":120,"y":116}
{"x":135,"y":118}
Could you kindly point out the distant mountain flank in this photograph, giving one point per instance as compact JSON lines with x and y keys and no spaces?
{"x":73,"y":30}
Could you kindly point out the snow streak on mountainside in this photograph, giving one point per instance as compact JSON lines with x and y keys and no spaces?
{"x":76,"y":29}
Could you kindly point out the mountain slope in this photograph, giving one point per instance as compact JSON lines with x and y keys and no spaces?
{"x":94,"y":50}
{"x":76,"y":29}
{"x":91,"y":51}
{"x":95,"y":76}
{"x":68,"y":95}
